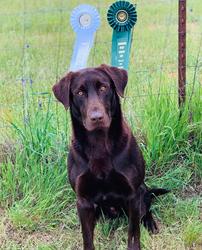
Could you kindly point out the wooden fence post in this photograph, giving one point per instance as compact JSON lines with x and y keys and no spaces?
{"x":182,"y":53}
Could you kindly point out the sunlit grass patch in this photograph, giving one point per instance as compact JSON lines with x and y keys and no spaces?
{"x":192,"y":233}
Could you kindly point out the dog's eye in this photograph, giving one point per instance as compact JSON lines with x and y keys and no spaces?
{"x":80,"y":93}
{"x":103,"y":88}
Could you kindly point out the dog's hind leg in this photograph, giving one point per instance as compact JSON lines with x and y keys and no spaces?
{"x":148,"y":220}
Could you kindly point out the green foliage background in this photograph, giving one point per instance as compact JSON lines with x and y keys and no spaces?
{"x":37,"y":206}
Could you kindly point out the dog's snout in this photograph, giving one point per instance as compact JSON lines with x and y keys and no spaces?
{"x":96,"y":116}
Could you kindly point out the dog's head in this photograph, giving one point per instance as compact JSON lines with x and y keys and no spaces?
{"x":92,"y":94}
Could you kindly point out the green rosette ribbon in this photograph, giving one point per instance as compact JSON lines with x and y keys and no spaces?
{"x":122,"y":17}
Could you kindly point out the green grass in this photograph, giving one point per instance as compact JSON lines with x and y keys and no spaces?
{"x":37,"y":205}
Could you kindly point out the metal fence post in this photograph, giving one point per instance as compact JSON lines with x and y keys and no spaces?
{"x":182,"y":52}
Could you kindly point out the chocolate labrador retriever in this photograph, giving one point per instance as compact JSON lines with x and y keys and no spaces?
{"x":105,"y":165}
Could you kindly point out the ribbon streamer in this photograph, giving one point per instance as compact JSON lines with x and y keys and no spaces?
{"x":85,"y":20}
{"x":122,"y":17}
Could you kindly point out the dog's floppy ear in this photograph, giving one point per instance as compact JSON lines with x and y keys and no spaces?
{"x":61,"y":89}
{"x":118,"y":76}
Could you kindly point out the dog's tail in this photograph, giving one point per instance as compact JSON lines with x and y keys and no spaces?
{"x":154,"y":192}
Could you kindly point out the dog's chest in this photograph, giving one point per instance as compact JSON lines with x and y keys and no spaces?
{"x":94,"y":187}
{"x":100,"y":168}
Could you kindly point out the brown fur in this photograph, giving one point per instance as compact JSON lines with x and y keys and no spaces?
{"x":105,"y":165}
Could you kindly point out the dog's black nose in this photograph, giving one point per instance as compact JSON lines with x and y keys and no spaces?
{"x":96,"y":116}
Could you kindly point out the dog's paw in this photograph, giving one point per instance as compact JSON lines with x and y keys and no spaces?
{"x":150,"y":224}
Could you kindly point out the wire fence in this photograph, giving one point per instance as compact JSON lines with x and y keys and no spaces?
{"x":37,"y":43}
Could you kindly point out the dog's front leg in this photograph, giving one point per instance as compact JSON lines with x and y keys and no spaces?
{"x":86,"y":212}
{"x":134,"y":225}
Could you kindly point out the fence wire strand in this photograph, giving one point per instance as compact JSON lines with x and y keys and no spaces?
{"x":27,"y":79}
